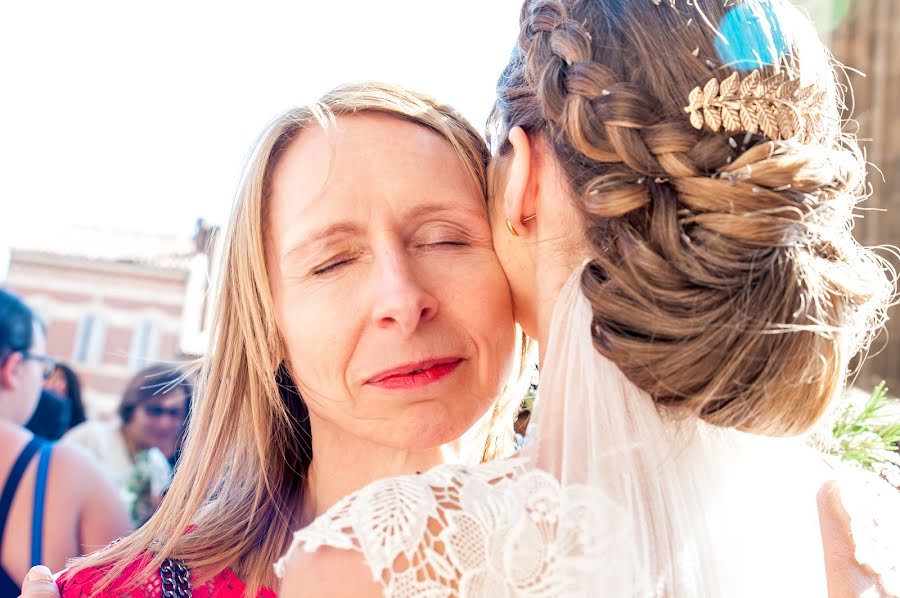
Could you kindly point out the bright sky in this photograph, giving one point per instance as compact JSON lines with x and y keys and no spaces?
{"x":139,"y":116}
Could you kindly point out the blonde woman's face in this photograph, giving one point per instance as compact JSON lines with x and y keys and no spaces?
{"x":394,"y":310}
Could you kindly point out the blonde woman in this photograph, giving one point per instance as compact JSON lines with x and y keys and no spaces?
{"x":672,"y":207}
{"x":364,"y":325}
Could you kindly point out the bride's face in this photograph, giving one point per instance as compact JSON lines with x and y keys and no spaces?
{"x":393,"y":308}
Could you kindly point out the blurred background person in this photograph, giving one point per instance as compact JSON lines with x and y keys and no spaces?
{"x":64,"y":383}
{"x":59,"y":408}
{"x":52,"y":415}
{"x":140,"y":447}
{"x":55,"y":503}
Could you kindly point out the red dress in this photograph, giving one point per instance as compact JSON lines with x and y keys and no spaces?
{"x":81,"y":585}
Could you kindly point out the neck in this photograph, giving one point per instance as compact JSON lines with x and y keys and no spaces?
{"x":7,"y":426}
{"x":552,"y":272}
{"x":343,"y":463}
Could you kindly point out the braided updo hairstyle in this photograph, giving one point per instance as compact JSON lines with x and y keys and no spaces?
{"x":724,"y":277}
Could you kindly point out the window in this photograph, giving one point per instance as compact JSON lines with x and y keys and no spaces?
{"x":89,"y":339}
{"x":144,"y":345}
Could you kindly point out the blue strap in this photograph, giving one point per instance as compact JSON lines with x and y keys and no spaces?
{"x":12,"y":482}
{"x":40,"y":493}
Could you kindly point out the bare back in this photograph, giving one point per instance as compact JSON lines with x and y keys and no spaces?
{"x":81,"y":510}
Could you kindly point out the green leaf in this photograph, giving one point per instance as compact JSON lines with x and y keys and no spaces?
{"x":867,"y":433}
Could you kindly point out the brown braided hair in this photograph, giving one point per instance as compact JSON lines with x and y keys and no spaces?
{"x":724,"y":278}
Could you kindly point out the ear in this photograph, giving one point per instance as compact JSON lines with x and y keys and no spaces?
{"x":518,"y":195}
{"x":11,"y":371}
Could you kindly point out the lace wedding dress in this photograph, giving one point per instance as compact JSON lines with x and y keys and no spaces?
{"x":613,"y":497}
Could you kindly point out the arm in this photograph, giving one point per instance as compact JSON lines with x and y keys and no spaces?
{"x":328,"y":572}
{"x":847,"y":576}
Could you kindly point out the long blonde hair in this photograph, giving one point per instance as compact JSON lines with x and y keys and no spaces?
{"x":240,"y":483}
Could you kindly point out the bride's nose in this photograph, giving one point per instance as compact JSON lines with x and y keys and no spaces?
{"x":401,"y":301}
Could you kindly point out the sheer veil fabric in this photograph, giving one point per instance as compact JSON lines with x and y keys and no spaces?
{"x":612,"y":498}
{"x":708,"y":511}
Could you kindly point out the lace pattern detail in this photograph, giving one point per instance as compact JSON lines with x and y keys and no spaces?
{"x":874,"y":509}
{"x":499,"y":529}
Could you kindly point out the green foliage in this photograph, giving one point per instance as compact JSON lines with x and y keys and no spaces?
{"x":867,"y":434}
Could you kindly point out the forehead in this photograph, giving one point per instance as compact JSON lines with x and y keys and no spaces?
{"x":173,"y":398}
{"x":364,"y":159}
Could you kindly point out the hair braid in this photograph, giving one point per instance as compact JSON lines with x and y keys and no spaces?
{"x":724,"y":277}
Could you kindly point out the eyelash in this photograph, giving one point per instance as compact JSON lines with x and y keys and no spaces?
{"x":332,"y":266}
{"x":335,"y":265}
{"x":447,"y":243}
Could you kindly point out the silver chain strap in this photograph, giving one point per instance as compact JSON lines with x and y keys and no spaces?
{"x":176,"y":579}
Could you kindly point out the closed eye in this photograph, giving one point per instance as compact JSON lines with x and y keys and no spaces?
{"x":449,"y":243}
{"x":332,"y":266}
{"x":437,"y":244}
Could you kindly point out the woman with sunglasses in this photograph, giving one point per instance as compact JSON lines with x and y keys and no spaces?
{"x":139,"y":447}
{"x":55,"y":502}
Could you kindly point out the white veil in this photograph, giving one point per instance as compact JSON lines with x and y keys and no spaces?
{"x":707,"y":511}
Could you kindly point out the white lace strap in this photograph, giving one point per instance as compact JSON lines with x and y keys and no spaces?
{"x":498,"y":529}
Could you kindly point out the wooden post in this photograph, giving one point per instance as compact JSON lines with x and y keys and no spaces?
{"x":868,"y":39}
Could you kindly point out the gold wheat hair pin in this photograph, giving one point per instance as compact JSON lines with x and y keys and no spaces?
{"x":774,"y":106}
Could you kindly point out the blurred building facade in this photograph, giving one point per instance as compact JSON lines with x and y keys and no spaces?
{"x":114,"y":302}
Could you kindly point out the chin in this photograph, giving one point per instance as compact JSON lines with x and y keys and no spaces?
{"x":436,"y":426}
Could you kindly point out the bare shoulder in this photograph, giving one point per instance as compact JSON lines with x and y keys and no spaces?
{"x":76,"y":466}
{"x":859,"y":516}
{"x":328,"y":572}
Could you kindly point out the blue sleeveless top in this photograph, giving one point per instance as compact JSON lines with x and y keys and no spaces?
{"x":8,"y":587}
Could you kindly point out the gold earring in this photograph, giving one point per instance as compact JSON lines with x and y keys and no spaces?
{"x":512,"y":229}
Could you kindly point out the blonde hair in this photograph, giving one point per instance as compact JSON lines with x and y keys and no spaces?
{"x":725,"y":280}
{"x":240,"y":483}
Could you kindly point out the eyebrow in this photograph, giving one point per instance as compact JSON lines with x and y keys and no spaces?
{"x":439,"y":208}
{"x":348,"y":228}
{"x":345,"y":228}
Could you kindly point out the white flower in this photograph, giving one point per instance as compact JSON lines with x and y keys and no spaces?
{"x":891,"y":473}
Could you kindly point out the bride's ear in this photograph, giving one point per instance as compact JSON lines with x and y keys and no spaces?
{"x":518,"y":195}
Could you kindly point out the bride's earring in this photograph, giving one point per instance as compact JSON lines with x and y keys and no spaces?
{"x":512,"y":229}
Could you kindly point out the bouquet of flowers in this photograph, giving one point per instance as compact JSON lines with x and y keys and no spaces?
{"x":149,"y":480}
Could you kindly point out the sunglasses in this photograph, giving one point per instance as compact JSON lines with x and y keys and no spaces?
{"x":155,"y":411}
{"x":48,"y":363}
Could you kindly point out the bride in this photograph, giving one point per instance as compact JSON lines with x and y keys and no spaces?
{"x":672,"y":203}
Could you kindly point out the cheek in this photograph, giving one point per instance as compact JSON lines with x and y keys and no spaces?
{"x":485,"y":307}
{"x":519,"y":273}
{"x":499,"y":327}
{"x":505,"y":248}
{"x":319,"y":331}
{"x":139,"y":422}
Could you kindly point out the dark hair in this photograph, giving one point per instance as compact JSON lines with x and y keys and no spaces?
{"x":16,"y":325}
{"x":724,"y":277}
{"x":73,"y":394}
{"x":153,"y":381}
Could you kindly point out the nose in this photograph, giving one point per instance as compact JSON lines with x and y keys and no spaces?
{"x":401,"y":301}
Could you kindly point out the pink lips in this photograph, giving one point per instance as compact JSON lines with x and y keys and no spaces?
{"x":416,"y":375}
